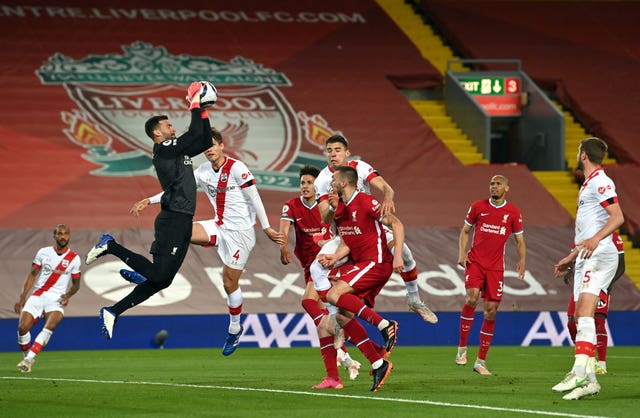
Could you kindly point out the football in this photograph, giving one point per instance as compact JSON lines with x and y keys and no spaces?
{"x":209,"y":94}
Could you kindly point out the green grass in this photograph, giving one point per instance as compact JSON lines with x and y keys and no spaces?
{"x":276,"y":383}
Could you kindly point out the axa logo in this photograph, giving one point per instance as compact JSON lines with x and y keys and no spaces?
{"x":258,"y":124}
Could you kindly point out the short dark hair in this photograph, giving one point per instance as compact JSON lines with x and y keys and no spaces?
{"x":152,"y":124}
{"x":55,"y":230}
{"x":216,"y":135}
{"x":310,"y":171}
{"x":349,"y":174}
{"x":337,"y":139}
{"x":595,"y":148}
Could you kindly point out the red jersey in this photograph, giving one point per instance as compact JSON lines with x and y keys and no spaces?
{"x":308,"y":227}
{"x":493,"y":226}
{"x":358,"y":223}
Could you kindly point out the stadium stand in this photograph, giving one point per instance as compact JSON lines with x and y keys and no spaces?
{"x":585,"y":53}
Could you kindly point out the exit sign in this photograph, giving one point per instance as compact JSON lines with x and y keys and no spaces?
{"x":498,"y":96}
{"x":487,"y":86}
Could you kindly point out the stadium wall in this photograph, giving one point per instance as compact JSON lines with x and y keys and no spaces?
{"x":297,"y":330}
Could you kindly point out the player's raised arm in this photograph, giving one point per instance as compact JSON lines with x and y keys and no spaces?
{"x":380,"y":184}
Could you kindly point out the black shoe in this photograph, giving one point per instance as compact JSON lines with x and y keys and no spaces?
{"x":390,"y":334}
{"x":380,"y":375}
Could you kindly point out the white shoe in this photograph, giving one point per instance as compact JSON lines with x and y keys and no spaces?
{"x":25,"y":365}
{"x":99,"y":249}
{"x":570,"y":382}
{"x":353,"y":369}
{"x":421,"y":309}
{"x":108,"y":322}
{"x":481,"y":368}
{"x":591,"y":388}
{"x":461,"y":358}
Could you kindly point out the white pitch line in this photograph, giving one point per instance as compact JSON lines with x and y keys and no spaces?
{"x":294,"y":392}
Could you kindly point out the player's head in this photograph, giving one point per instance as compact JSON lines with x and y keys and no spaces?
{"x":216,"y":135}
{"x":216,"y":151}
{"x":344,"y":177}
{"x":594,"y":149}
{"x":337,"y":151}
{"x":308,"y":175}
{"x":61,"y":235}
{"x":159,"y":128}
{"x":498,"y":187}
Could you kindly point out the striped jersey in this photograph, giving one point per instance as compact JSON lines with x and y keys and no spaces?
{"x":597,"y":192}
{"x":224,"y":190}
{"x":56,"y":271}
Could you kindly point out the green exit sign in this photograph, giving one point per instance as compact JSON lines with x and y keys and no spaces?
{"x":487,"y":86}
{"x":484,"y":86}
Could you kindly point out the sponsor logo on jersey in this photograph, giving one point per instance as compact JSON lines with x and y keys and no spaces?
{"x":258,"y":124}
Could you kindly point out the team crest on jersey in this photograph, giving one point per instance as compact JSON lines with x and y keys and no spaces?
{"x":504,"y":218}
{"x":65,"y":263}
{"x":115,"y":95}
{"x":223,"y":177}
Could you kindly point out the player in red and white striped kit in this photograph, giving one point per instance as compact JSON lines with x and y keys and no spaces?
{"x":596,"y":260}
{"x":54,"y":278}
{"x":602,"y":310}
{"x":337,"y":151}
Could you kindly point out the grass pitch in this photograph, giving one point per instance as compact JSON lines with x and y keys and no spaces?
{"x":277,"y":382}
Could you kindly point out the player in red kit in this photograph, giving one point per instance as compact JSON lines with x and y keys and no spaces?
{"x":311,"y":233}
{"x":493,"y":221}
{"x":359,"y":221}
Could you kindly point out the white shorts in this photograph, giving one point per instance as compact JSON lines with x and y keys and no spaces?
{"x":46,"y":303}
{"x":596,"y":272}
{"x":234,"y":247}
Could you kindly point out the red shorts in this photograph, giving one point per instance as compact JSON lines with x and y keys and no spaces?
{"x":366,"y":279}
{"x":490,"y":282}
{"x":602,"y":308}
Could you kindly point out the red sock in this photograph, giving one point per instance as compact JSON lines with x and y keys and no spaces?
{"x":573,"y":328}
{"x":601,"y":337}
{"x":359,"y":337}
{"x":583,"y":347}
{"x":25,"y":347}
{"x":314,"y":311}
{"x":36,"y":348}
{"x":486,"y":336}
{"x":409,"y":276}
{"x":466,"y":321}
{"x":328,"y":352}
{"x":351,"y":303}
